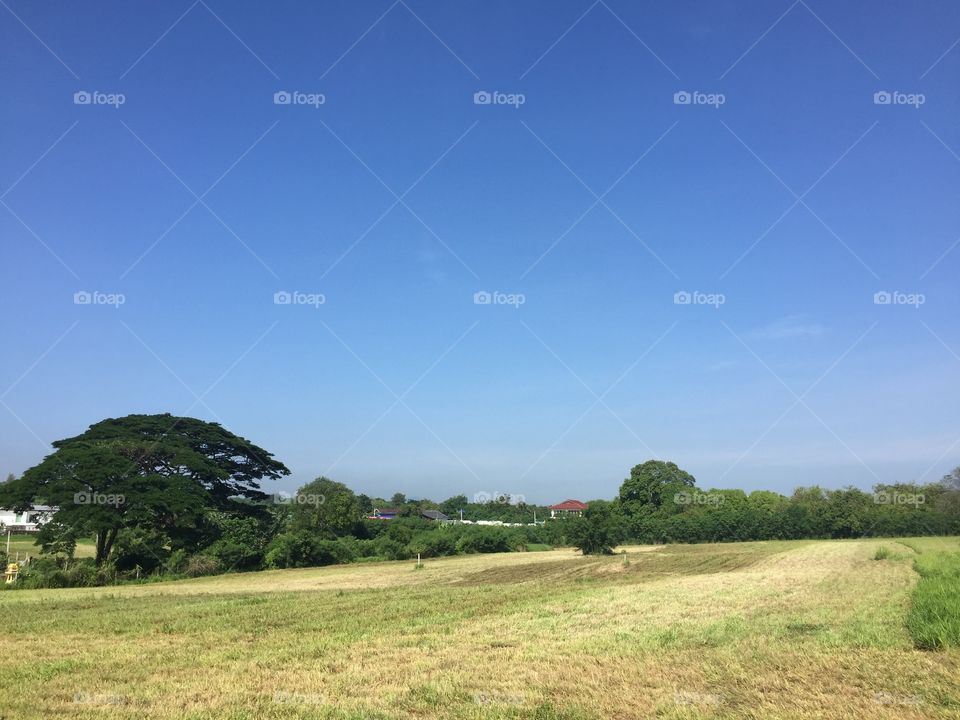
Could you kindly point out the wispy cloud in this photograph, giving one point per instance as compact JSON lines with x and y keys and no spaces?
{"x":791,"y":326}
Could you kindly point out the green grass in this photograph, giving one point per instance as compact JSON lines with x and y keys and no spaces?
{"x":934,"y":620}
{"x":883,"y":553}
{"x":24,"y":543}
{"x":778,"y":630}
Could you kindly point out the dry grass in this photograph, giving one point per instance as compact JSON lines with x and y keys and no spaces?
{"x":746,"y":630}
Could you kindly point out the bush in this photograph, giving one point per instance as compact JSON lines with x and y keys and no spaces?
{"x":434,"y":543}
{"x":241,"y":541}
{"x":485,"y":540}
{"x":42,"y":572}
{"x":138,"y":547}
{"x":200,"y":565}
{"x":882,"y":553}
{"x":176,"y":564}
{"x":291,"y":550}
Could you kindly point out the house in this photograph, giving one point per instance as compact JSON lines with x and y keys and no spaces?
{"x":28,"y":521}
{"x":434,"y":515}
{"x":568,"y":508}
{"x":384,"y":514}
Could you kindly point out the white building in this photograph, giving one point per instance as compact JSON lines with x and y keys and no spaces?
{"x":27,"y":521}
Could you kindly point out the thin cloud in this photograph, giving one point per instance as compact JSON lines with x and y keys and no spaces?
{"x":792,"y":326}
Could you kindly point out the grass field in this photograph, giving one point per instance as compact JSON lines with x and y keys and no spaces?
{"x":807,"y":629}
{"x":24,"y":544}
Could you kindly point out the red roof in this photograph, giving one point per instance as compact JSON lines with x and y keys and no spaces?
{"x":569,"y":505}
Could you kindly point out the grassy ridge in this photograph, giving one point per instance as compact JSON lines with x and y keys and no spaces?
{"x":934,"y":620}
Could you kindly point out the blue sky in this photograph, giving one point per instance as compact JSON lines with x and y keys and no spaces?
{"x":781,"y":198}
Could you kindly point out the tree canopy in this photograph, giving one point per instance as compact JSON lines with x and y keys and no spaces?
{"x":146,"y":471}
{"x":653,"y":483}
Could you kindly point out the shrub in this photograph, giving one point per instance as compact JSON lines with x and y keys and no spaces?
{"x":138,"y":547}
{"x":484,"y":540}
{"x":241,"y":541}
{"x":291,"y":550}
{"x":176,"y":564}
{"x":882,"y":553}
{"x":199,"y":565}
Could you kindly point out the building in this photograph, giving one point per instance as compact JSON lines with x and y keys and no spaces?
{"x":434,"y":515}
{"x":568,"y":508}
{"x":28,"y":521}
{"x":384,"y":514}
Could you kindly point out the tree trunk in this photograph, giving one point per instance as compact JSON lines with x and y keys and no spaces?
{"x":101,"y":539}
{"x":105,"y":539}
{"x":111,"y":536}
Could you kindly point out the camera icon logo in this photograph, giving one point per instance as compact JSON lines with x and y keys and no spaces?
{"x":482,"y":297}
{"x":482,"y":97}
{"x":282,"y":97}
{"x":682,"y":97}
{"x":82,"y":297}
{"x":682,"y":298}
{"x":882,"y":298}
{"x":282,"y":297}
{"x":82,"y":97}
{"x":882,"y":97}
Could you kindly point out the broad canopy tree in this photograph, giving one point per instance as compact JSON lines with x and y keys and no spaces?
{"x":653,"y":484}
{"x":152,"y":472}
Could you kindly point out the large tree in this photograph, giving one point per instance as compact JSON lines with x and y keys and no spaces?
{"x":653,"y":484}
{"x":152,"y":472}
{"x":327,"y":508}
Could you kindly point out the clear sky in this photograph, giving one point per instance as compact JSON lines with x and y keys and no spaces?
{"x":781,"y":197}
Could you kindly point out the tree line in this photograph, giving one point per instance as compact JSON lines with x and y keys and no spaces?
{"x":162,"y":496}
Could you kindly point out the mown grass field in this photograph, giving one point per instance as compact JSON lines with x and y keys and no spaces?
{"x":806,"y":629}
{"x":25,"y":544}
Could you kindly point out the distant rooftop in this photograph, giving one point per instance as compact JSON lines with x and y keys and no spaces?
{"x":569,"y":505}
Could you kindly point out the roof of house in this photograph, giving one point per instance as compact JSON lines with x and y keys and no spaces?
{"x":569,"y":505}
{"x":386,"y":511}
{"x":434,"y":515}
